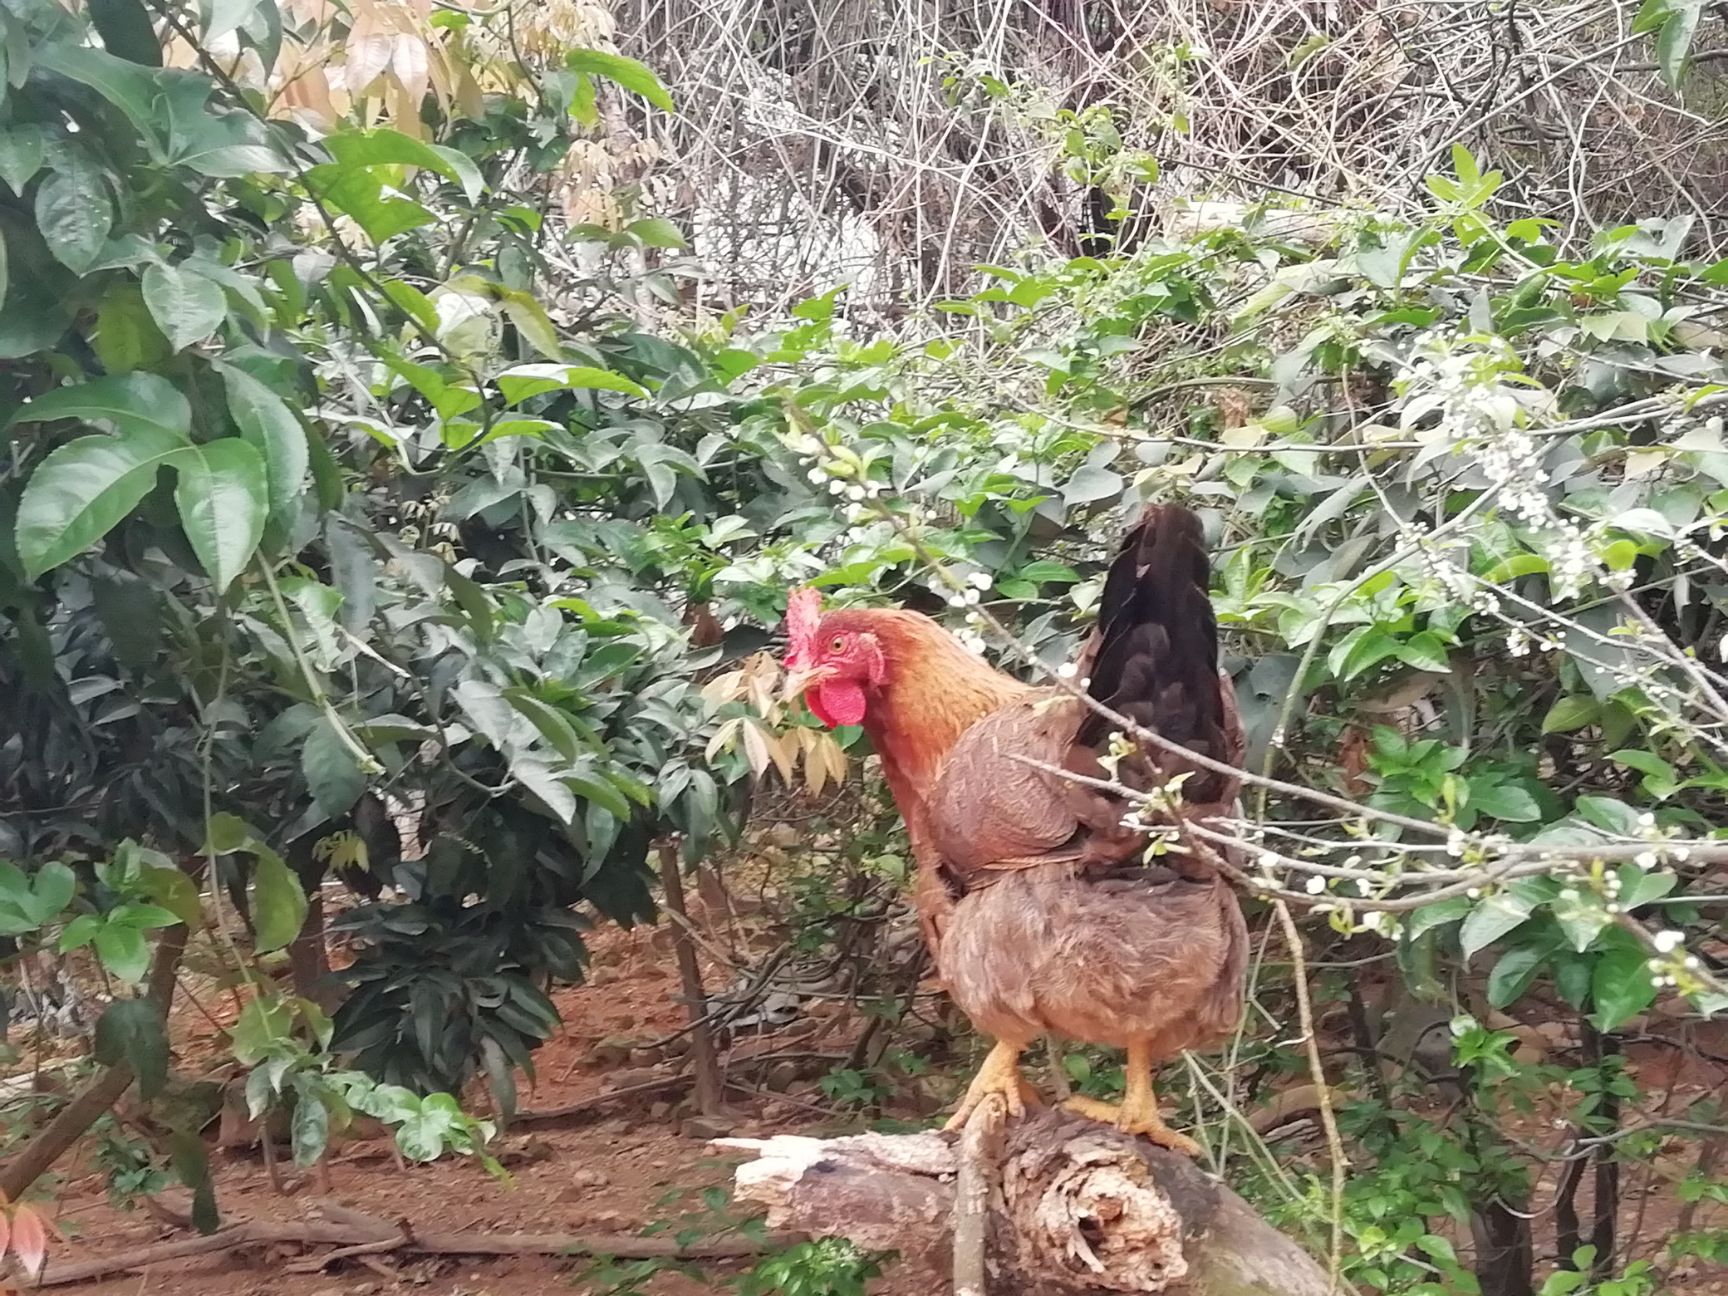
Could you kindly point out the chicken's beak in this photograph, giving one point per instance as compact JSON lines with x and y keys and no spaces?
{"x":804,"y":677}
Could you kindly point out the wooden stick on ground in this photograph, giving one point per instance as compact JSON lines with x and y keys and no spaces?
{"x":362,"y":1235}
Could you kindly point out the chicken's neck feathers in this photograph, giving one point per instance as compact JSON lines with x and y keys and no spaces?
{"x":935,"y":690}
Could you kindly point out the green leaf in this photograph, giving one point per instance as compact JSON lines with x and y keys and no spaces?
{"x":523,"y":381}
{"x":1361,"y":649}
{"x":1621,"y":986}
{"x":1044,"y":570}
{"x":627,"y":72}
{"x":79,"y":932}
{"x":23,"y":149}
{"x":554,"y":727}
{"x":175,"y":892}
{"x":270,"y":427}
{"x":223,"y":501}
{"x":132,"y":1032}
{"x":601,"y":793}
{"x":309,"y":1132}
{"x":1497,"y":916}
{"x":125,"y":29}
{"x":1674,"y":41}
{"x":1610,"y":815}
{"x":1091,"y":483}
{"x":51,"y":890}
{"x":471,"y":598}
{"x":74,"y":212}
{"x":333,"y":774}
{"x":1441,"y":912}
{"x":123,"y":402}
{"x":145,"y":917}
{"x":1571,"y":713}
{"x":532,"y":322}
{"x":1514,"y":972}
{"x":1425,"y":651}
{"x":187,"y":307}
{"x":656,"y":231}
{"x":192,"y":1167}
{"x":263,"y":1023}
{"x":83,"y":490}
{"x":226,"y":16}
{"x":535,"y":773}
{"x":126,"y":337}
{"x":278,"y":902}
{"x":134,"y":90}
{"x":123,"y":951}
{"x":1505,"y":801}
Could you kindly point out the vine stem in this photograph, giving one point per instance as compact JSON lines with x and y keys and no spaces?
{"x":366,"y":760}
{"x":1322,"y":1093}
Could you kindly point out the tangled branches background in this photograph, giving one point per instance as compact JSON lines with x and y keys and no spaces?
{"x":900,"y":145}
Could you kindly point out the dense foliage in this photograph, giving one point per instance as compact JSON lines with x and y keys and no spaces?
{"x":351,"y":483}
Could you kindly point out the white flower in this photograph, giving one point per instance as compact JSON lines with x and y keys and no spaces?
{"x":1668,"y":941}
{"x":1066,"y":670}
{"x":981,"y":580}
{"x":1316,"y":884}
{"x":855,"y":493}
{"x":836,"y":487}
{"x":971,"y":596}
{"x":956,"y":600}
{"x":1373,"y":921}
{"x":1646,"y":860}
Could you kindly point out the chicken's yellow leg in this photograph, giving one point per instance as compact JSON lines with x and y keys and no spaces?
{"x":1138,"y":1112}
{"x":1000,"y":1074}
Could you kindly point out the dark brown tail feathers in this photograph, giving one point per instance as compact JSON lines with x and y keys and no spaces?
{"x":1157,"y":645}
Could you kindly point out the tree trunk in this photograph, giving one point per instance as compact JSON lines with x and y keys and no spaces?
{"x":1075,"y":1207}
{"x":308,"y":956}
{"x":702,"y":1059}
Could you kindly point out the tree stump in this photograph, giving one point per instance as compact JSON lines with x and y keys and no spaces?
{"x":1074,"y":1209}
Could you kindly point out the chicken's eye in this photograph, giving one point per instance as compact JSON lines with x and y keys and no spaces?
{"x":837,"y":644}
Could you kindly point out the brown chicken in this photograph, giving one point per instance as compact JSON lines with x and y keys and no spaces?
{"x":1038,"y":903}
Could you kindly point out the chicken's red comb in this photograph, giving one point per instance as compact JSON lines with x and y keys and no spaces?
{"x":803,"y":612}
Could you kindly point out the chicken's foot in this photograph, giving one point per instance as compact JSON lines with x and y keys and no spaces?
{"x":1000,"y":1074}
{"x":1138,"y":1112}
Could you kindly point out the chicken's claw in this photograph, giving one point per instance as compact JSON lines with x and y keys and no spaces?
{"x":1134,"y":1118}
{"x":999,"y":1075}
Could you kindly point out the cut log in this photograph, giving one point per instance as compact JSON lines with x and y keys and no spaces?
{"x":1076,"y":1208}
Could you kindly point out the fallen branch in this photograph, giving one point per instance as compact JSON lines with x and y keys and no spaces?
{"x":1077,"y":1208}
{"x":591,"y":1106}
{"x":360,"y":1235}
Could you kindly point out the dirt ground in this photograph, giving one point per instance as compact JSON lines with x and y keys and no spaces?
{"x":616,"y":1170}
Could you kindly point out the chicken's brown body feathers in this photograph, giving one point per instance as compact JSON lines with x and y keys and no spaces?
{"x":1032,"y":894}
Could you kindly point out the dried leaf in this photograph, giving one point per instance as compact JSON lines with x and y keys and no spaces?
{"x":722,"y":739}
{"x":723,"y":688}
{"x":756,"y":750}
{"x":29,"y":1239}
{"x":784,"y":749}
{"x":815,"y":761}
